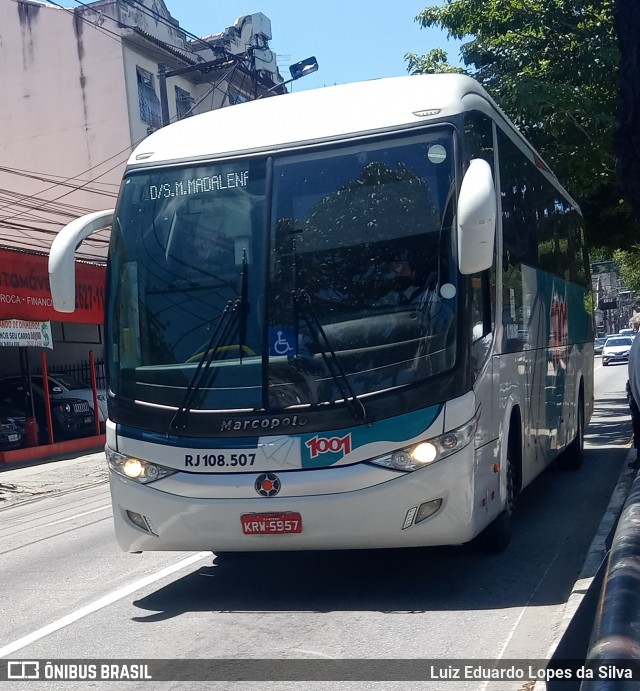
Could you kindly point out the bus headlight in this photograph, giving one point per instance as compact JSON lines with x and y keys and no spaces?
{"x":136,"y":468}
{"x":430,"y":451}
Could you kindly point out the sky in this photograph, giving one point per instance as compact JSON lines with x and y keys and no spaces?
{"x":352,"y":40}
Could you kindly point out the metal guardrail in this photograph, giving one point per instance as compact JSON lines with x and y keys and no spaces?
{"x":615,"y":636}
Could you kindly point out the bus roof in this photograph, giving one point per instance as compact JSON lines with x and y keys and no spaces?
{"x":315,"y":115}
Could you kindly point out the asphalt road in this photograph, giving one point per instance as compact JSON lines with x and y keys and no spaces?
{"x":69,"y":593}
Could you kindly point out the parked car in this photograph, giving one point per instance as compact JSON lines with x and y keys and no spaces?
{"x":71,"y":417}
{"x":12,"y":429}
{"x":616,"y":349}
{"x":627,"y":332}
{"x":598,"y":345}
{"x":64,"y":385}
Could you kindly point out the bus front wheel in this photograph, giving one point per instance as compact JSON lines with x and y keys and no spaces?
{"x":497,"y":535}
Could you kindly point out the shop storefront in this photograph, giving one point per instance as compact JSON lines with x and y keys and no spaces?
{"x":52,"y":397}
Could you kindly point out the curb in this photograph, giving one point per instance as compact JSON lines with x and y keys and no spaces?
{"x":595,"y":556}
{"x":26,"y":483}
{"x":36,"y":454}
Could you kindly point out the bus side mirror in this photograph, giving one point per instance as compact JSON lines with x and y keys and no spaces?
{"x":476,"y":225}
{"x":62,"y":268}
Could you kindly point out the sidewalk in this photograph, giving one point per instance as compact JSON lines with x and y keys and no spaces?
{"x":25,"y":484}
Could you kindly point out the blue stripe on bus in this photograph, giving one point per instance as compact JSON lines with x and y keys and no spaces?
{"x":395,"y":429}
{"x":187,"y":442}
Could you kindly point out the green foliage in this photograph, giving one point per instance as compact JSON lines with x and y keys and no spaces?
{"x":550,"y":65}
{"x":599,"y":254}
{"x":629,"y":266}
{"x":433,"y":62}
{"x":625,"y":263}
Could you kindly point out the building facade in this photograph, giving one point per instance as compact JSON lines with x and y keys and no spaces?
{"x":614,"y":304}
{"x":82,"y":87}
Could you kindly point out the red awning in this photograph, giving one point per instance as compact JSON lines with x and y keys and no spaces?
{"x":25,"y":293}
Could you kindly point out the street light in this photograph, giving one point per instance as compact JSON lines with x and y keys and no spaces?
{"x":303,"y":68}
{"x":297,"y":70}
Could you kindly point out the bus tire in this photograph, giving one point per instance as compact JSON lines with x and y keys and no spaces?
{"x":572,"y":457}
{"x":497,"y":535}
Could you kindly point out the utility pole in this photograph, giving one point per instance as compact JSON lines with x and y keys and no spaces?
{"x":297,"y":70}
{"x":164,"y":74}
{"x":164,"y":103}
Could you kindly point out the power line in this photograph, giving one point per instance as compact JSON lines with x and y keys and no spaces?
{"x":42,"y":178}
{"x":185,"y":58}
{"x":54,"y":210}
{"x":45,"y":202}
{"x":28,"y":197}
{"x":18,"y":200}
{"x":144,"y":10}
{"x":106,"y":32}
{"x":41,"y":202}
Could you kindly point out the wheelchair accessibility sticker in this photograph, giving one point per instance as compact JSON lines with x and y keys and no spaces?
{"x":282,"y":341}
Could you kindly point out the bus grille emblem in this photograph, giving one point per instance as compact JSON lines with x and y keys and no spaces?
{"x":267,"y":485}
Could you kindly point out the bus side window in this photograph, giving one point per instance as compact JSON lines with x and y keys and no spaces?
{"x":479,"y":143}
{"x":481,"y":322}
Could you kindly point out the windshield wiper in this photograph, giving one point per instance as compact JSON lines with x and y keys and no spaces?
{"x":238,"y":307}
{"x":218,"y":337}
{"x":244,"y":303}
{"x":302,"y":301}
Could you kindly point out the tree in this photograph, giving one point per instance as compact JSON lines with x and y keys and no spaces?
{"x":628,"y":262}
{"x":628,"y":134}
{"x":549,"y":65}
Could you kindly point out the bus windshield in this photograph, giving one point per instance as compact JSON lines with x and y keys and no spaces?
{"x":333,"y":269}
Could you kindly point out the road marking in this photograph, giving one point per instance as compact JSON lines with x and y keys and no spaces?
{"x":71,"y":518}
{"x":525,"y":608}
{"x":99,"y":604}
{"x":612,"y":511}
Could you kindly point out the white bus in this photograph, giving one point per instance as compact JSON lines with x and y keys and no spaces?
{"x":353,"y":317}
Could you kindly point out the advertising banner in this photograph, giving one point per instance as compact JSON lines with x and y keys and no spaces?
{"x":25,"y":292}
{"x":19,"y":332}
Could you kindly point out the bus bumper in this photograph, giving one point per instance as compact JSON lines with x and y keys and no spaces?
{"x":382,"y":516}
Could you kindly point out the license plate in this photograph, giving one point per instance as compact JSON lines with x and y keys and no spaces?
{"x":14,"y":437}
{"x":271,"y":523}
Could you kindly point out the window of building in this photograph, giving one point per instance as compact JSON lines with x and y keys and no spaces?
{"x":149,"y":102}
{"x":184,"y":103}
{"x":236,"y":97}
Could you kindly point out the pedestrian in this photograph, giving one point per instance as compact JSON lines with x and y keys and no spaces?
{"x":633,"y":384}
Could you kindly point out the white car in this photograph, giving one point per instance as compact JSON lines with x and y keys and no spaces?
{"x":616,"y":349}
{"x":62,"y":384}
